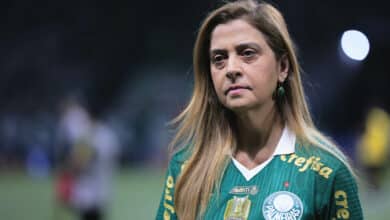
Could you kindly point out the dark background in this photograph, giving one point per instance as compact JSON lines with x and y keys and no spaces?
{"x":130,"y":63}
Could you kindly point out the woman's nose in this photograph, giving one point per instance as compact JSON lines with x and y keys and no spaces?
{"x":233,"y":69}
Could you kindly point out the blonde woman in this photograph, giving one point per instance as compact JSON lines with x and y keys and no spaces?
{"x":246,"y":147}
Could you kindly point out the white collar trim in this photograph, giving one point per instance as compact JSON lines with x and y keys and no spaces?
{"x":286,"y":145}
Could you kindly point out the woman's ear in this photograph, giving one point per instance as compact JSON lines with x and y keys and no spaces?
{"x":284,"y":68}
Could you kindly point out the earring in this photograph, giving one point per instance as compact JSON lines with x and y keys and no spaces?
{"x":280,"y":91}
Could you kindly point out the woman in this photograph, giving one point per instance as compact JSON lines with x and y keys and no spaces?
{"x":246,"y":147}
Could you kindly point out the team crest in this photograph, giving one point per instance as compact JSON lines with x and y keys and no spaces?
{"x":282,"y":205}
{"x":237,"y":208}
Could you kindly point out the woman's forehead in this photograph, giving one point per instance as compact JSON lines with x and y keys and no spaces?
{"x":235,"y":32}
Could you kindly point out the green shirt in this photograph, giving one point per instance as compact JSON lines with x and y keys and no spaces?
{"x":308,"y":183}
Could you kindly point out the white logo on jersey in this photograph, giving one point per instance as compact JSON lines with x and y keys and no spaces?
{"x":282,"y":205}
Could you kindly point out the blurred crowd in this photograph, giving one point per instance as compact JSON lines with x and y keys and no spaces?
{"x":38,"y":140}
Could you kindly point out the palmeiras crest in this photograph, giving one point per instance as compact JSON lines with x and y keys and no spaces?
{"x":282,"y":205}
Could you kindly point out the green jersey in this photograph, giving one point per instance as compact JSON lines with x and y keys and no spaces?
{"x":297,"y":182}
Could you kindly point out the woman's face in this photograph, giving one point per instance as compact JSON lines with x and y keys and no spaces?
{"x":243,"y":67}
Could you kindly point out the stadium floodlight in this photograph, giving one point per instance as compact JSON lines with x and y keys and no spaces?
{"x":355,"y":44}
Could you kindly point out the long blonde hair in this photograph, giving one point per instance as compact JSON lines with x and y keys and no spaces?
{"x":206,"y":128}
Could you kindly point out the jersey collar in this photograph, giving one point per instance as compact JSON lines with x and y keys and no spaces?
{"x":286,"y":144}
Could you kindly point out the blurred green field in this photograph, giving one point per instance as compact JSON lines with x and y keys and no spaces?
{"x":136,"y":196}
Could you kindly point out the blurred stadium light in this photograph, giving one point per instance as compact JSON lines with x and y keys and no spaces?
{"x":355,"y":44}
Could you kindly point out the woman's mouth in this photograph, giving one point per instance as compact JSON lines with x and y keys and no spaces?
{"x":236,"y":89}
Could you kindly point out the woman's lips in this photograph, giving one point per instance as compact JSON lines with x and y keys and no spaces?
{"x":236,"y":89}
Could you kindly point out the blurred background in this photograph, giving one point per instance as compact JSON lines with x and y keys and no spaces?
{"x":111,"y":74}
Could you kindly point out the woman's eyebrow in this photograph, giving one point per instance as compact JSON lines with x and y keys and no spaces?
{"x":242,"y":46}
{"x":217,"y":51}
{"x":238,"y":47}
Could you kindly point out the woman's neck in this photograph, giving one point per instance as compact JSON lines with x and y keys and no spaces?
{"x":259,"y":132}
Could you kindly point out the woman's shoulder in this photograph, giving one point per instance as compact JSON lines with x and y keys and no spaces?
{"x":178,"y":161}
{"x":325,"y":160}
{"x":181,"y":155}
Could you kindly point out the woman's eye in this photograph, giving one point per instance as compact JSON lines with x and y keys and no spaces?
{"x":217,"y":58}
{"x":248,"y":53}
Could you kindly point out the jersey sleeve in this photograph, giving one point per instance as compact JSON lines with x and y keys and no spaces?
{"x":166,"y":209}
{"x":343,"y":201}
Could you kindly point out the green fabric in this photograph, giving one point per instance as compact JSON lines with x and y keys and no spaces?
{"x":309,"y":184}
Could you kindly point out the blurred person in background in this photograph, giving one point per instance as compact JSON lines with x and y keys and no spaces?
{"x":246,"y":147}
{"x":74,"y":126}
{"x":86,"y":182}
{"x":373,"y":147}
